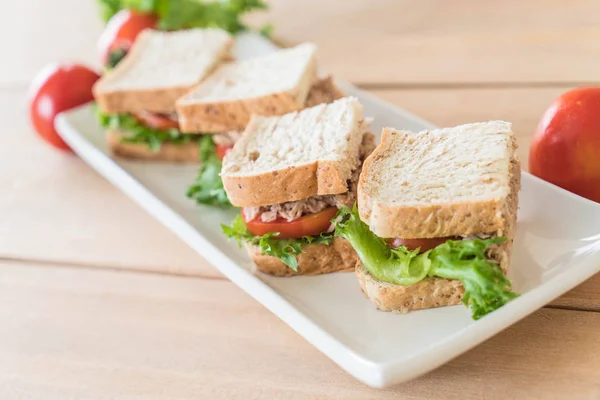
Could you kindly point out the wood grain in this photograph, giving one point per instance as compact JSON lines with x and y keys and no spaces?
{"x":72,"y":333}
{"x":397,"y":41}
{"x":55,"y":208}
{"x":436,"y":41}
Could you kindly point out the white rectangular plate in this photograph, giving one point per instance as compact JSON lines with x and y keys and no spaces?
{"x":556,"y":248}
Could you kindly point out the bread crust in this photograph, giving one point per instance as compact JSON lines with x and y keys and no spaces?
{"x":232,"y":115}
{"x":315,"y":259}
{"x":134,"y":101}
{"x":158,"y":100}
{"x":169,"y":152}
{"x":426,"y":221}
{"x":291,"y":184}
{"x":324,"y":90}
{"x":438,"y":292}
{"x":223,"y":116}
{"x":428,"y":293}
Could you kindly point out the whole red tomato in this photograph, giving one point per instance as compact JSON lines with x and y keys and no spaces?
{"x":58,"y":88}
{"x":122,"y":29}
{"x":566,"y":145}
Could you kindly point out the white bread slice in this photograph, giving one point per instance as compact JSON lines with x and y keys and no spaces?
{"x":274,"y":84}
{"x":443,"y":182}
{"x":160,"y":68}
{"x":169,"y":152}
{"x":299,"y":155}
{"x":439,"y":292}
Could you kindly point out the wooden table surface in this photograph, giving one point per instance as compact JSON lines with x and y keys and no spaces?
{"x":98,"y":301}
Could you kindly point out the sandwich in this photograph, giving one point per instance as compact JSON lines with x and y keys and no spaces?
{"x":222,"y":105}
{"x":290,"y":175}
{"x":436,"y":218}
{"x":136,"y":99}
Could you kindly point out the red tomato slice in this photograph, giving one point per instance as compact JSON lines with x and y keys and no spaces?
{"x":423,"y":244}
{"x":156,"y":121}
{"x":308,"y":225}
{"x":122,"y":29}
{"x":222,"y":151}
{"x":58,"y":88}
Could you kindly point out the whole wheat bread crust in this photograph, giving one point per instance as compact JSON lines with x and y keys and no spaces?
{"x":222,"y":117}
{"x":291,"y":184}
{"x":169,"y":152}
{"x":427,"y":221}
{"x":133,"y":101}
{"x":438,"y":292}
{"x":234,"y":115}
{"x":315,"y":259}
{"x":401,"y":299}
{"x":158,"y":100}
{"x":322,"y":91}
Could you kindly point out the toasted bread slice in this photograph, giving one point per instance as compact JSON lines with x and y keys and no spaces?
{"x":274,"y":84}
{"x":169,"y":152}
{"x":160,"y":68}
{"x":437,"y":292}
{"x":296,"y":156}
{"x":315,"y":259}
{"x":438,"y":183}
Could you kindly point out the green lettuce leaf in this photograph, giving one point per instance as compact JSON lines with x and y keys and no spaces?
{"x":208,"y":186}
{"x":486,"y":288}
{"x":284,"y":249}
{"x":181,"y":14}
{"x":141,"y":134}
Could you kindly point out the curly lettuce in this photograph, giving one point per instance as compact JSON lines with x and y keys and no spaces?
{"x":208,"y":187}
{"x":284,"y":249}
{"x":486,"y":288}
{"x":142,"y":134}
